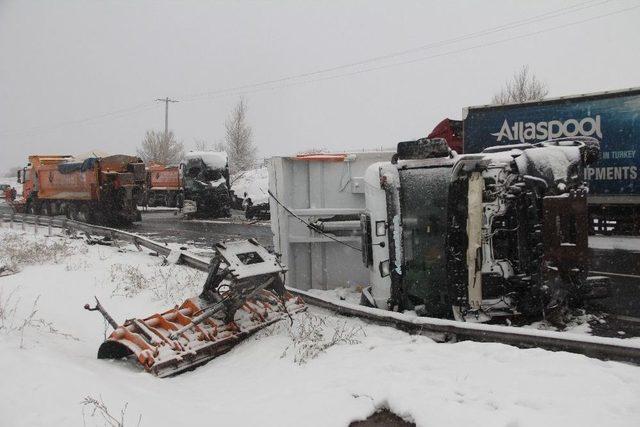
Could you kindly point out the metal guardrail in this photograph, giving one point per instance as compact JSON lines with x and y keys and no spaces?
{"x":97,"y":230}
{"x":443,"y":330}
{"x":440,"y":330}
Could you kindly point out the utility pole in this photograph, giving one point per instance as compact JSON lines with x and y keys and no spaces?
{"x":166,"y":113}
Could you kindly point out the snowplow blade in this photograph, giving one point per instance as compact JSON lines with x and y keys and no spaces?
{"x":242,"y":294}
{"x":149,"y":340}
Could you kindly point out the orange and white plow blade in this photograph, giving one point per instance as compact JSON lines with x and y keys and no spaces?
{"x":148,"y":339}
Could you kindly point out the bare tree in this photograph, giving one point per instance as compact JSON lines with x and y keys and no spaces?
{"x":158,"y":147}
{"x":200,"y":145}
{"x":239,"y":147}
{"x":524,"y":86}
{"x":314,"y":150}
{"x":219,"y":146}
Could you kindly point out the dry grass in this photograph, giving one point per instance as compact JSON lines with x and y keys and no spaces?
{"x":16,"y":250}
{"x":312,"y":335}
{"x":98,"y":408}
{"x":166,"y":283}
{"x":9,"y":323}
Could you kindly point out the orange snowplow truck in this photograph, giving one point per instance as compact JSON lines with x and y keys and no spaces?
{"x":164,"y":187}
{"x":97,"y":190}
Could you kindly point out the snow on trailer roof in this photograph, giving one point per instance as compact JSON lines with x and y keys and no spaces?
{"x":213,"y":159}
{"x":337,"y":156}
{"x":90,"y":154}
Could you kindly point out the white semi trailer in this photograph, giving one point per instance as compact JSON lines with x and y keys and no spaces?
{"x":498,"y":233}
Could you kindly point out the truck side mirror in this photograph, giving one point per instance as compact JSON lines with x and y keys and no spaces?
{"x":19,"y":179}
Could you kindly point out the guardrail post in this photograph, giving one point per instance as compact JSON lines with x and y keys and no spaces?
{"x":137,"y":244}
{"x":49,"y":228}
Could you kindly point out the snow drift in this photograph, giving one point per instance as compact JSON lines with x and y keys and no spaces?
{"x":285,"y":376}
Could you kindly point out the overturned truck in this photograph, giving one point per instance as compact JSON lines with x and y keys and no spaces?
{"x":501,"y":233}
{"x":205,"y":184}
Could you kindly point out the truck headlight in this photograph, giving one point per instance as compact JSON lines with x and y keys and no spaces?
{"x":384,"y":268}
{"x":381,"y":228}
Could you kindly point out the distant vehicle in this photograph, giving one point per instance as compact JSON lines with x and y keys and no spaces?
{"x":164,"y":186}
{"x":98,"y":190}
{"x":4,"y":187}
{"x":205,"y":184}
{"x":610,"y":117}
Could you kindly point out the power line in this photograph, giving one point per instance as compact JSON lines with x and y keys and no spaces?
{"x":263,"y":86}
{"x":116,"y":113}
{"x":514,"y":24}
{"x":424,"y":58}
{"x":166,"y":101}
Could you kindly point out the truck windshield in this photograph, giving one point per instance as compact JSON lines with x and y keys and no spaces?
{"x":424,"y":194}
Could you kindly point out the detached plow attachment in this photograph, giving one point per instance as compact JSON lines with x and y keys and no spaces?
{"x":242,"y":294}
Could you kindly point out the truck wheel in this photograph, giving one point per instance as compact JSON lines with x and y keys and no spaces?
{"x":85,"y":214}
{"x":47,"y":209}
{"x":72,"y":212}
{"x":169,"y":200}
{"x":249,"y":213}
{"x":32,"y":208}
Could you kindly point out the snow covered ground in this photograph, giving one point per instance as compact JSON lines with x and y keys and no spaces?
{"x":255,"y":183}
{"x":323,"y":371}
{"x":625,"y":243}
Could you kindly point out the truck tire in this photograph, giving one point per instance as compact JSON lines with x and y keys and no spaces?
{"x":85,"y":214}
{"x":170,"y":200}
{"x":72,"y":212}
{"x":47,"y":208}
{"x":249,"y":213}
{"x":33,"y":208}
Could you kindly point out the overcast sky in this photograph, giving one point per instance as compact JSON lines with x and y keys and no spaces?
{"x":77,"y":76}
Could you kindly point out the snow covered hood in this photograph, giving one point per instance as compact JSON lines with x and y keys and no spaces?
{"x":255,"y":183}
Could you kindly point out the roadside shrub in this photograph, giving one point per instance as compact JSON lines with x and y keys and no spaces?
{"x":10,"y":324}
{"x":166,"y":283}
{"x":16,"y":250}
{"x":313,"y":334}
{"x":99,"y":409}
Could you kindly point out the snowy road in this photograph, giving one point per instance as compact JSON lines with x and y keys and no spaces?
{"x":168,"y":227}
